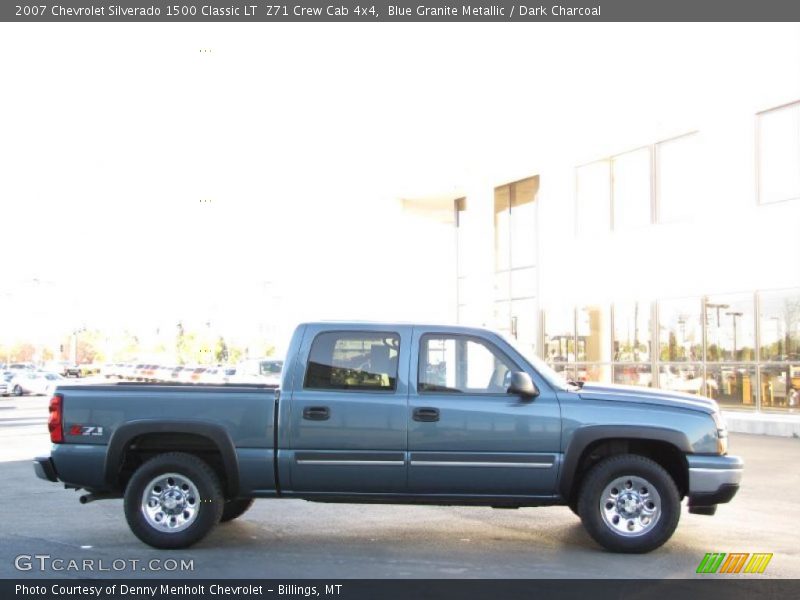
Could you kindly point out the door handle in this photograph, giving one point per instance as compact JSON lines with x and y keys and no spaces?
{"x":316,"y":413}
{"x":426,"y":415}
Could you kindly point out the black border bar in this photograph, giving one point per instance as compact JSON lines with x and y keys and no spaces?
{"x":399,"y":11}
{"x":745,"y":587}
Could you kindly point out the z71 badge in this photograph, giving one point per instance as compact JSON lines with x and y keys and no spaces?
{"x":92,"y":430}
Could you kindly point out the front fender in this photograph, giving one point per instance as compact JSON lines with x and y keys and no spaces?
{"x":583,"y":437}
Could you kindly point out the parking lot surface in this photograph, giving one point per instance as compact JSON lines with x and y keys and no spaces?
{"x":297,"y":539}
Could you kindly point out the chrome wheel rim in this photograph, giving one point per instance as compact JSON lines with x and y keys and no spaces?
{"x":170,"y":502}
{"x":630,"y":506}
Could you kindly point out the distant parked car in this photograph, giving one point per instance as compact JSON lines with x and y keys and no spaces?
{"x":87,"y":370}
{"x":137,"y":372}
{"x":218,"y":375}
{"x":5,"y":379}
{"x":110,"y":370}
{"x":64,"y":368}
{"x":128,"y":371}
{"x":259,"y":370}
{"x":185,"y":374}
{"x":197,"y":374}
{"x":35,"y":382}
{"x":163,"y":373}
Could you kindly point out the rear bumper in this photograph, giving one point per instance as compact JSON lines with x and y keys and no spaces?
{"x":713,"y":479}
{"x":45,"y":469}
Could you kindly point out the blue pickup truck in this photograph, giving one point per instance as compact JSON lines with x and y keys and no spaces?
{"x":394,"y":413}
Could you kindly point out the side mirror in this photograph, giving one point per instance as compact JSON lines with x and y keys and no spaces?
{"x":522,"y":385}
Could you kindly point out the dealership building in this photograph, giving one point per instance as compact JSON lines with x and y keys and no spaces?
{"x":650,"y":237}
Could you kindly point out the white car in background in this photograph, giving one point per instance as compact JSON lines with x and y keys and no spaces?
{"x":163,"y":373}
{"x":218,"y":375}
{"x":40,"y":383}
{"x":259,"y":370}
{"x":5,"y":380}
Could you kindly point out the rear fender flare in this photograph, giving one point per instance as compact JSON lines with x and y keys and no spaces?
{"x":124,"y":434}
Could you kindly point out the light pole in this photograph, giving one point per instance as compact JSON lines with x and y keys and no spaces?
{"x":734,"y":315}
{"x":682,"y":323}
{"x":718,"y":307}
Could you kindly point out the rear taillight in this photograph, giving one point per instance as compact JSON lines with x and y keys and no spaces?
{"x":55,"y":423}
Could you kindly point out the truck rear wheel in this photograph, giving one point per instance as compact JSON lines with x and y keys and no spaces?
{"x":629,"y":503}
{"x":173,"y":500}
{"x":233,"y":509}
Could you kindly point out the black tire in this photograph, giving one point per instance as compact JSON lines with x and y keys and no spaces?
{"x":605,"y":473}
{"x":18,"y":390}
{"x":208,"y":506}
{"x":234,"y":509}
{"x":573,"y":506}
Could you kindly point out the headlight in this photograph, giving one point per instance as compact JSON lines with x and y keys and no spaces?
{"x":722,"y":433}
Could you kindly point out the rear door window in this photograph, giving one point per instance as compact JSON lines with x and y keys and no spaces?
{"x":353,"y":360}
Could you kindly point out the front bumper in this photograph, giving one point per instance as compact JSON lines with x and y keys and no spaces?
{"x":713,"y":480}
{"x":45,"y":469}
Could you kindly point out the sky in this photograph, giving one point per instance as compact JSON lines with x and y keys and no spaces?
{"x":150,"y":172}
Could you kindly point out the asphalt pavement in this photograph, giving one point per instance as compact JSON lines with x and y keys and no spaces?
{"x":294,"y":539}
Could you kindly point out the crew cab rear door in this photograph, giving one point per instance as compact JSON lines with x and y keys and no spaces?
{"x":466,"y":434}
{"x":347,"y":422}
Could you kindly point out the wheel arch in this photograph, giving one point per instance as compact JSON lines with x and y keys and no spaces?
{"x":588,"y":445}
{"x":214,"y":436}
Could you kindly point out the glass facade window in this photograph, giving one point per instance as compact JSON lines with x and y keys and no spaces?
{"x":617,"y":192}
{"x":523,"y":222}
{"x":566,"y":371}
{"x":681,"y":377}
{"x":678,"y":178}
{"x":502,"y":228}
{"x":733,"y":386}
{"x":708,"y":346}
{"x":631,"y":189}
{"x":592,"y":325}
{"x":779,"y":317}
{"x":780,"y":387}
{"x":593,"y":372}
{"x":524,"y":326}
{"x":559,"y":336}
{"x":634,"y":374}
{"x":632,"y":331}
{"x":680,"y":332}
{"x":593,"y":198}
{"x":515,"y":277}
{"x":502,"y":316}
{"x":464,"y":260}
{"x":523,"y":283}
{"x":730,"y":328}
{"x":779,"y":154}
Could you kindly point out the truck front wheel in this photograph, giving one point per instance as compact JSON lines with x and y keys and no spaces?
{"x":629,"y":503}
{"x":173,"y":500}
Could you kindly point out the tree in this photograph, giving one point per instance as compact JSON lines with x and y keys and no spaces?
{"x":181,"y":341}
{"x":22,"y":352}
{"x":221,"y":351}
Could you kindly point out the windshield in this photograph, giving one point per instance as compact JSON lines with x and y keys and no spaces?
{"x":546,"y":371}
